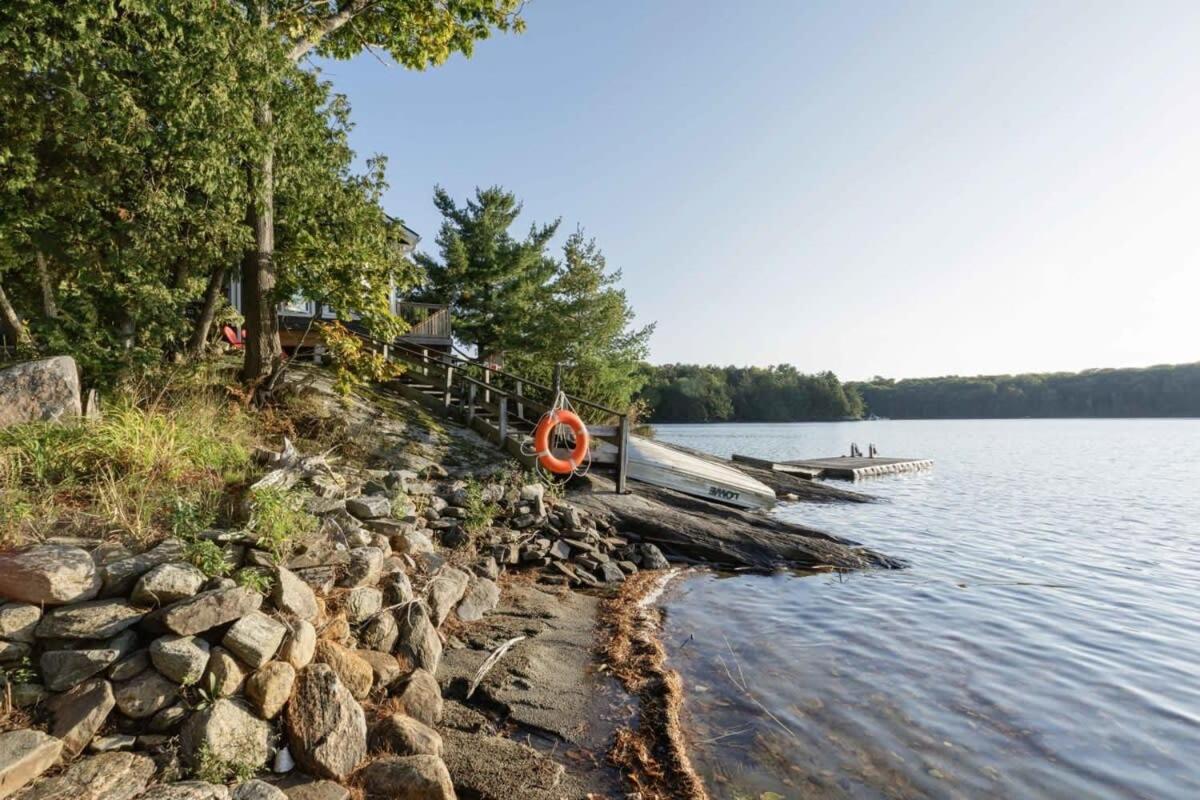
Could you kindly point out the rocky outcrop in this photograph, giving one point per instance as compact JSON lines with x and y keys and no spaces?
{"x":48,"y":574}
{"x":45,"y":390}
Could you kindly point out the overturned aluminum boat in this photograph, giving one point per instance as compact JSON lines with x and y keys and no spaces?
{"x":662,"y":465}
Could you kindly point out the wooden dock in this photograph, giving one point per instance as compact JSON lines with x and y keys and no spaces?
{"x":851,"y":468}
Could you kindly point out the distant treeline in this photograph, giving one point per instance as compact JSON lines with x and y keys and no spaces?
{"x":1162,"y":391}
{"x":693,"y":393}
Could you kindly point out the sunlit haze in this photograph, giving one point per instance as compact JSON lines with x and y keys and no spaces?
{"x":873,"y":188}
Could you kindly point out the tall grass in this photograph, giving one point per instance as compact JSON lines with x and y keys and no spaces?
{"x":127,"y":472}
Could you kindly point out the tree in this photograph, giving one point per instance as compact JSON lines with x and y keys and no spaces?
{"x":416,"y":33}
{"x":494,"y":284}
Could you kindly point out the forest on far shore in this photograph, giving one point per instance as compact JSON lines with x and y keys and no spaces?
{"x":693,"y":393}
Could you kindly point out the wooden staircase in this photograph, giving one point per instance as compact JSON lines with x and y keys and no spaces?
{"x":502,"y":407}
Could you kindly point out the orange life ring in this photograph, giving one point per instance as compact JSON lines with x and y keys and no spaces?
{"x":541,"y":441}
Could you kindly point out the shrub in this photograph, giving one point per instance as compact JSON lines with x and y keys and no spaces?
{"x":275,"y":518}
{"x":254,"y":578}
{"x":208,"y":557}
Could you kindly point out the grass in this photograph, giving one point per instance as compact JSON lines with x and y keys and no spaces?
{"x":154,"y":464}
{"x":276,"y":517}
{"x":211,"y":768}
{"x":208,"y":557}
{"x":480,"y":513}
{"x":254,"y":578}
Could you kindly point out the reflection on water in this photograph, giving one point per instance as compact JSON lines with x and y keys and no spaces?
{"x":1045,"y":642}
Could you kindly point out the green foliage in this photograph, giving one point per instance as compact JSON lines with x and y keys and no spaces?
{"x":354,"y":364}
{"x":276,"y":517}
{"x":480,"y":512}
{"x":254,"y":578}
{"x":1160,"y":391}
{"x":208,"y":557}
{"x":211,"y":768}
{"x":21,"y":671}
{"x":690,"y":393}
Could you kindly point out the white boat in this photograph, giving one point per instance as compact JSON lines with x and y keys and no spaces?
{"x":662,"y":465}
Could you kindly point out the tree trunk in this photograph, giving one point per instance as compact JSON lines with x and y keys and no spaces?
{"x":10,"y":322}
{"x":49,"y":307}
{"x":212,"y":297}
{"x":263,"y":349}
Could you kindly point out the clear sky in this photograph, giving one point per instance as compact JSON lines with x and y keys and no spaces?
{"x":901,"y":189}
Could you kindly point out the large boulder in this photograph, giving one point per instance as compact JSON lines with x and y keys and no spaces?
{"x":326,"y":727}
{"x":48,"y":574}
{"x":209,"y":609}
{"x":97,"y":619}
{"x":46,"y":390}
{"x":225,"y":674}
{"x":408,"y":778}
{"x":226,"y":731}
{"x":364,"y":568}
{"x":109,"y":776}
{"x":24,"y":756}
{"x":299,"y":645}
{"x":18,"y":621}
{"x":78,"y":714}
{"x":418,"y":639}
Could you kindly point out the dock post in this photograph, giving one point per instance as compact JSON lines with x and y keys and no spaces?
{"x":622,"y":453}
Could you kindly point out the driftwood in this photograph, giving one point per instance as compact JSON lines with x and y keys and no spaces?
{"x":490,"y":662}
{"x":720,"y":535}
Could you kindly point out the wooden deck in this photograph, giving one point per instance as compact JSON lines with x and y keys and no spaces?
{"x":852,"y":468}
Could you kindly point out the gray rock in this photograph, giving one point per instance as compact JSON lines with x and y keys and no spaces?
{"x":210,"y":609}
{"x":167,"y":583}
{"x":385,"y":666}
{"x":412,"y":542}
{"x":354,"y":673}
{"x":43,"y":390}
{"x":444,"y":591}
{"x":535,"y":495}
{"x":609,"y":572}
{"x":113,"y":743}
{"x":131,"y":665}
{"x":269,"y":688}
{"x":397,"y":588}
{"x":362,"y":602}
{"x":186,"y":790}
{"x":652,"y":557}
{"x":225,"y":674}
{"x":421,"y":698}
{"x":298,"y":647}
{"x":560,"y":550}
{"x":380,"y":633}
{"x":487,"y":568}
{"x":418,"y":640}
{"x":79,"y":713}
{"x":119,"y":577}
{"x":124,"y":643}
{"x":227,"y":731}
{"x":109,"y":776}
{"x":62,"y":669}
{"x":97,"y":619}
{"x":26,"y":695}
{"x":169,"y":718}
{"x":11,"y":652}
{"x":183,"y":659}
{"x":408,"y":778}
{"x":308,"y":789}
{"x":293,"y":596}
{"x":24,"y":756}
{"x":145,"y":695}
{"x":404,"y":736}
{"x":369,"y":506}
{"x":258,"y":790}
{"x":364,"y":569}
{"x":326,"y":727}
{"x":18,"y":621}
{"x":480,"y":598}
{"x":255,"y":638}
{"x":48,"y":574}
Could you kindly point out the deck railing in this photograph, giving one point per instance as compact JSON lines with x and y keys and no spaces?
{"x":427,"y":321}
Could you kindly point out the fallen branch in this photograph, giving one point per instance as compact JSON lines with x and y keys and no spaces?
{"x":490,"y":662}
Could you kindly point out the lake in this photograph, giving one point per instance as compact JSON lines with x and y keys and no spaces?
{"x":1045,"y":642}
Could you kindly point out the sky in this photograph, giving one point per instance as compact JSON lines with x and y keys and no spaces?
{"x":876,"y":188}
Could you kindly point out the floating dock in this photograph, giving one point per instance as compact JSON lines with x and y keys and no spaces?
{"x":849,"y":468}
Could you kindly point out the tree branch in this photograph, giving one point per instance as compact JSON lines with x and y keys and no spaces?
{"x":345,"y":13}
{"x":49,"y":307}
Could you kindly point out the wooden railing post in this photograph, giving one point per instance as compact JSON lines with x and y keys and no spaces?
{"x":449,"y":385}
{"x":503,"y":418}
{"x":425,"y":361}
{"x":487,"y":381}
{"x":520,"y":405}
{"x":470,"y":402}
{"x":622,"y":454}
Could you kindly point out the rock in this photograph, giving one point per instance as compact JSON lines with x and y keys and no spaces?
{"x":62,"y":669}
{"x":384,"y":666}
{"x":18,"y":621}
{"x":421,"y":698}
{"x":560,"y":550}
{"x":408,"y":778}
{"x":609,"y":572}
{"x":355,"y":673}
{"x":133,"y":664}
{"x":210,"y":609}
{"x":362,"y":602}
{"x":48,"y":574}
{"x":183,"y":659}
{"x":110,"y":776}
{"x":535,"y":495}
{"x":298,"y":648}
{"x":258,"y":790}
{"x":404,"y":736}
{"x":112,"y":744}
{"x":119,"y":577}
{"x":269,"y":688}
{"x":185,"y":790}
{"x":412,"y":542}
{"x":169,"y":718}
{"x":166,"y":584}
{"x":316,"y":790}
{"x":397,"y":588}
{"x":366,"y":564}
{"x":444,"y":591}
{"x":11,"y":652}
{"x":24,"y":756}
{"x":26,"y":695}
{"x":326,"y":727}
{"x":255,"y":638}
{"x":369,"y":506}
{"x":225,"y":674}
{"x":652,"y":557}
{"x":418,"y":640}
{"x":145,"y":695}
{"x":227,"y":731}
{"x":480,"y":598}
{"x":293,"y":596}
{"x":380,"y":633}
{"x":487,"y":568}
{"x":79,"y":713}
{"x":43,"y":390}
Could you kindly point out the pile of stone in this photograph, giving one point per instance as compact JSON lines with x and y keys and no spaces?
{"x":141,"y":668}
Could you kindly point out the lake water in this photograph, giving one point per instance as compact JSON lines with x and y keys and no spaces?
{"x":1045,"y":642}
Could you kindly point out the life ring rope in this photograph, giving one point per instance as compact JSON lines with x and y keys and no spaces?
{"x":548,"y":436}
